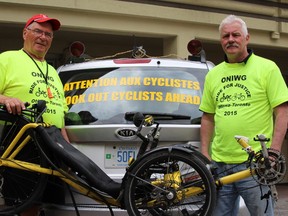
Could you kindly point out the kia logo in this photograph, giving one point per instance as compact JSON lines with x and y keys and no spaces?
{"x":126,"y":133}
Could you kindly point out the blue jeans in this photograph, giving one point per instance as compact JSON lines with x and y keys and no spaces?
{"x":228,"y":195}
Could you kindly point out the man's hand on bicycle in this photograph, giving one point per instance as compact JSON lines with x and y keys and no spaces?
{"x":206,"y":154}
{"x":13,"y":105}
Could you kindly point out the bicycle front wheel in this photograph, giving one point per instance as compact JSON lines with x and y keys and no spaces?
{"x":170,"y":183}
{"x":19,"y":188}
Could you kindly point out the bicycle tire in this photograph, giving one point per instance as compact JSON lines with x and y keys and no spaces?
{"x":142,"y":198}
{"x":19,"y":189}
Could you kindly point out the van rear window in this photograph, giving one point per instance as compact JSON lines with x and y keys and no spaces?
{"x":106,"y":96}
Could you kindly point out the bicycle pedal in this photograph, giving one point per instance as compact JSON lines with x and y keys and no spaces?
{"x":274,"y":192}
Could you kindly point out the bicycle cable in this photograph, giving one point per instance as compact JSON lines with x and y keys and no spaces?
{"x":73,"y":199}
{"x":226,"y":170}
{"x":263,"y":196}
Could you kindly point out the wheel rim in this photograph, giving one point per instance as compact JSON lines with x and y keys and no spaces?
{"x":169,"y":197}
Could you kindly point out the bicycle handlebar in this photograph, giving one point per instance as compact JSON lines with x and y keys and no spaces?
{"x":34,"y":112}
{"x":152,"y":136}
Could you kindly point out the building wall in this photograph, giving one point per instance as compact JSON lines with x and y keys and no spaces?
{"x":174,"y":26}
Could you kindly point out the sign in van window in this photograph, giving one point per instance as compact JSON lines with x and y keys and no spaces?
{"x":151,"y":90}
{"x":135,"y":95}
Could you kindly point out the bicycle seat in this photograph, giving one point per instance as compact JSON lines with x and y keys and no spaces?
{"x":77,"y":161}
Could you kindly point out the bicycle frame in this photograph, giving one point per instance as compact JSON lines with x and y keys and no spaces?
{"x":278,"y":174}
{"x":241,"y":174}
{"x":8,"y":160}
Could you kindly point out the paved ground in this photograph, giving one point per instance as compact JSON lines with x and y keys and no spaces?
{"x":281,"y":207}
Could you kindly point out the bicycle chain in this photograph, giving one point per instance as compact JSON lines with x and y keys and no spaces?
{"x":268,"y":176}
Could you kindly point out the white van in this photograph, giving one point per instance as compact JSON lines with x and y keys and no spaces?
{"x":104,"y":95}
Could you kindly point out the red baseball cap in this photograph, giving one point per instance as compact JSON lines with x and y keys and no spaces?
{"x":42,"y":18}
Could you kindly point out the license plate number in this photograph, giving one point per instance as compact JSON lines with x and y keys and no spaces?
{"x":117,"y":156}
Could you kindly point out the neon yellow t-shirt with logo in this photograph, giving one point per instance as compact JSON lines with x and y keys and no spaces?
{"x":21,"y":78}
{"x":242,"y":97}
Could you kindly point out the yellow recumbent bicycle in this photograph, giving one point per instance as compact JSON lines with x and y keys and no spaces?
{"x":174,"y":180}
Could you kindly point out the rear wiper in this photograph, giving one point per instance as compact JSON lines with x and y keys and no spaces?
{"x":158,"y":116}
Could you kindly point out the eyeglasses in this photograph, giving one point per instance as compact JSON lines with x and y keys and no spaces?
{"x":38,"y":32}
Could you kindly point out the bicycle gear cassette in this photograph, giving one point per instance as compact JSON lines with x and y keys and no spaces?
{"x":272,"y":174}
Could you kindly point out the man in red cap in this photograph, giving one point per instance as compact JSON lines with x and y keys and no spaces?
{"x":38,"y":35}
{"x":42,"y":18}
{"x":25,"y":75}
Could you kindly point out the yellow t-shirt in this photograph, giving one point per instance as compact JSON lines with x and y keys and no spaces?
{"x":242,"y":97}
{"x":22,"y":79}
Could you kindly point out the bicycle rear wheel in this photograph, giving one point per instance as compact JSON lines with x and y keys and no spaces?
{"x":19,"y":189}
{"x":170,"y":183}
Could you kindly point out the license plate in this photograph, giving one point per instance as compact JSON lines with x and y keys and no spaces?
{"x":117,"y":156}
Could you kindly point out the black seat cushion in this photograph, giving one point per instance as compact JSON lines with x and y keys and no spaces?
{"x":77,"y":161}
